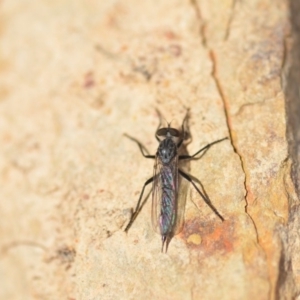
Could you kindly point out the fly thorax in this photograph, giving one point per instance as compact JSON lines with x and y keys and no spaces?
{"x":167,"y":150}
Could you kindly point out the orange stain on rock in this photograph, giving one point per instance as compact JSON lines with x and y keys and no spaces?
{"x":214,"y":235}
{"x":170,"y":35}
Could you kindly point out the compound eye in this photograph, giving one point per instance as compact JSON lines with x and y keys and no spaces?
{"x":173,"y":132}
{"x":162,"y":131}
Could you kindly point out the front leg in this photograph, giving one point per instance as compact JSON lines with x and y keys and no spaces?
{"x":142,"y":148}
{"x":202,"y":149}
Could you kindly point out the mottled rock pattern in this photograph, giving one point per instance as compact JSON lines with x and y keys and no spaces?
{"x":76,"y":76}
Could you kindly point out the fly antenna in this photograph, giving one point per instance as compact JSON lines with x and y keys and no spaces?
{"x":169,"y":124}
{"x":161,"y":117}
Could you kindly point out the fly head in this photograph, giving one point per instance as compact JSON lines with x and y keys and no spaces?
{"x":167,"y":132}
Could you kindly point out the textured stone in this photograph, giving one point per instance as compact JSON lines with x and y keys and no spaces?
{"x":76,"y":76}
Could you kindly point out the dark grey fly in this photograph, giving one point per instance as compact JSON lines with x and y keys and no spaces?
{"x":166,"y":219}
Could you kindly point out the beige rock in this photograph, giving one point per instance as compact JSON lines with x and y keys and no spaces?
{"x":76,"y":76}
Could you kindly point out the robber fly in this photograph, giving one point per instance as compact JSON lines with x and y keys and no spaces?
{"x":165,"y":181}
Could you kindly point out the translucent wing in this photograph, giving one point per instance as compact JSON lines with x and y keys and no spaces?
{"x":166,"y":219}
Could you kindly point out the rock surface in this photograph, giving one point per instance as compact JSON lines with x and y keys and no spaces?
{"x":76,"y":76}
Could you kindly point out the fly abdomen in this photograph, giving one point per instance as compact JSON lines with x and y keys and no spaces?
{"x":167,"y":210}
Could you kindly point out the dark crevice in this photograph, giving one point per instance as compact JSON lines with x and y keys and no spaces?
{"x":286,"y":286}
{"x":291,"y":81}
{"x":227,"y":31}
{"x":262,"y":102}
{"x":221,"y":93}
{"x":284,"y":62}
{"x":220,"y":90}
{"x":20,"y":243}
{"x":226,"y":112}
{"x":201,"y":23}
{"x":284,"y":271}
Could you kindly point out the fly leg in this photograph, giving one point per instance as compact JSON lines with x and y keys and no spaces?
{"x":202,"y":149}
{"x":160,"y":122}
{"x":142,"y":148}
{"x":138,"y":206}
{"x":205,"y":198}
